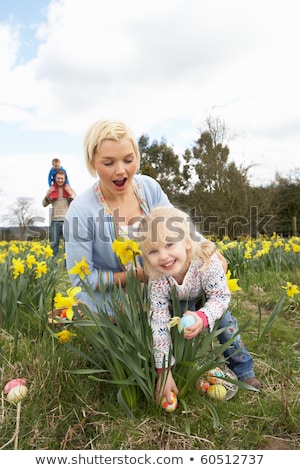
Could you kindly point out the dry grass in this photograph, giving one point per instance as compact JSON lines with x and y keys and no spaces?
{"x":64,"y":413}
{"x":67,"y":412}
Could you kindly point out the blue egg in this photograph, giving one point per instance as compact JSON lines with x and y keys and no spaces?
{"x":186,"y":322}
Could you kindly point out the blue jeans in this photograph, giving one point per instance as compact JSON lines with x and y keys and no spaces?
{"x":241,"y":362}
{"x":56,"y":232}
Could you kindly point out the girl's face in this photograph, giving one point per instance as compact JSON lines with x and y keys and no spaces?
{"x":116,"y":164}
{"x":170,"y":258}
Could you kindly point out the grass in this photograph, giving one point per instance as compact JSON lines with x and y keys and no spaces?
{"x":63,"y":411}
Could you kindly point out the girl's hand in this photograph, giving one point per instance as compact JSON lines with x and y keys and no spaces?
{"x":165,"y":390}
{"x":192,"y":331}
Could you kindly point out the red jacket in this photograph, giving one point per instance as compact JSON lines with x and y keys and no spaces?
{"x":54,"y":194}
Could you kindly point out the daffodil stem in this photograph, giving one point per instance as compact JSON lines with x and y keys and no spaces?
{"x":17,"y":425}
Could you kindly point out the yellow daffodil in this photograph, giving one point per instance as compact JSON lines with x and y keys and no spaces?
{"x":48,"y":251}
{"x":232,"y":283}
{"x":14,"y":248}
{"x":67,"y":302}
{"x":126,"y":250}
{"x":247,"y":254}
{"x":37,"y":249}
{"x":258,"y":254}
{"x":296,"y":247}
{"x":278,"y":244}
{"x":81,"y":269}
{"x":18,"y":266}
{"x":41,"y":268}
{"x":30,"y":261}
{"x":65,"y":336}
{"x":291,"y":289}
{"x":3,"y":257}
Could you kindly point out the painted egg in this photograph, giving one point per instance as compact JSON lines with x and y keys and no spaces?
{"x":215,"y":376}
{"x":185,"y":322}
{"x":202,"y":385}
{"x":217,"y":391}
{"x":17,"y":393}
{"x":14,"y":383}
{"x":169,"y":407}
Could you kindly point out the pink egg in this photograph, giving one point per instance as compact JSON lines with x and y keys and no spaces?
{"x":14,"y":383}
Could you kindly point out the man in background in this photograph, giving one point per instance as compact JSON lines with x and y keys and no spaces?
{"x":60,"y":206}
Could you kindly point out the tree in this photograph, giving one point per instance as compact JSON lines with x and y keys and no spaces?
{"x":159,"y":161}
{"x":21,"y":215}
{"x":221,"y":193}
{"x":210,"y":163}
{"x":286,"y":200}
{"x":217,"y":129}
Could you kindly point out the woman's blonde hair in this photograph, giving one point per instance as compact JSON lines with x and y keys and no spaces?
{"x":170,"y":225}
{"x":106,"y":130}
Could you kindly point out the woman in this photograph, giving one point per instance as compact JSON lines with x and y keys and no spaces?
{"x":110,"y":208}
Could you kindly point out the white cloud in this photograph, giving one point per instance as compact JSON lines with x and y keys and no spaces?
{"x":159,"y":65}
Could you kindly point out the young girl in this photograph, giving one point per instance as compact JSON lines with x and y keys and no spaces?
{"x":174,"y":258}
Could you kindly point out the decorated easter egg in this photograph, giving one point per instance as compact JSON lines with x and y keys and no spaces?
{"x":14,"y":383}
{"x":17,"y":393}
{"x":215,"y":376}
{"x":217,"y":391}
{"x":169,"y":407}
{"x":185,"y":322}
{"x":202,"y":385}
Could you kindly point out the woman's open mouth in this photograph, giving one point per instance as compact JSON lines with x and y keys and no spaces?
{"x":120,"y":183}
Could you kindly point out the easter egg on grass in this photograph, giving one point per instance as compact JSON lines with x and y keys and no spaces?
{"x":169,"y":407}
{"x":215,"y":376}
{"x":14,"y":383}
{"x":217,"y":391}
{"x":16,"y":390}
{"x":185,"y":322}
{"x":202,"y":385}
{"x":17,"y":393}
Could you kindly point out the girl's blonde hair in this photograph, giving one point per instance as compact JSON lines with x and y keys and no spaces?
{"x":106,"y":130}
{"x":170,"y":225}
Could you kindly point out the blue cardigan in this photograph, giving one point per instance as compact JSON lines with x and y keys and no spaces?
{"x":89,"y":233}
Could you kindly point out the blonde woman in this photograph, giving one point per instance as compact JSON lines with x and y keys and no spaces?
{"x":110,"y":208}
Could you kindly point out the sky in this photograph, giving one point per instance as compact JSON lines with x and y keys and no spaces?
{"x":161,"y":66}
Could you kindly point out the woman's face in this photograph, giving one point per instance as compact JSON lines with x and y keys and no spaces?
{"x":116,"y":165}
